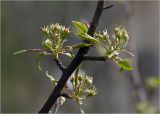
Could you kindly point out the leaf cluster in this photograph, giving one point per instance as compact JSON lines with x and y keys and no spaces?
{"x":114,"y":47}
{"x":55,"y":35}
{"x":82,"y":86}
{"x":79,"y":88}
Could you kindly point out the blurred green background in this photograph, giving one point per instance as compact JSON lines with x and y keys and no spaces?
{"x":25,"y":89}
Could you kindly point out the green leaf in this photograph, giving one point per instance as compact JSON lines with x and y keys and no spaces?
{"x":54,"y":82}
{"x":80,"y":45}
{"x":27,"y":51}
{"x":68,"y":54}
{"x":125,"y":64}
{"x":157,"y":81}
{"x":49,"y":112}
{"x":152,"y":83}
{"x":48,"y":44}
{"x":20,"y":52}
{"x":81,"y":27}
{"x":39,"y":56}
{"x":86,"y":37}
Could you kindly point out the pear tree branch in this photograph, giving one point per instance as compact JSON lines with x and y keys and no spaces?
{"x":91,"y":58}
{"x":75,"y":62}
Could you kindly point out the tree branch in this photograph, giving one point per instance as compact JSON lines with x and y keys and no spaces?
{"x":90,"y":58}
{"x":75,"y":62}
{"x":59,"y":64}
{"x":108,"y":7}
{"x":136,"y":78}
{"x":65,"y":95}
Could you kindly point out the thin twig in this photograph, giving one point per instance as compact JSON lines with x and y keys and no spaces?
{"x":81,"y":109}
{"x":108,"y":7}
{"x":137,"y":80}
{"x":34,"y":50}
{"x":57,"y":105}
{"x":91,"y":58}
{"x":59,"y":64}
{"x":59,"y":102}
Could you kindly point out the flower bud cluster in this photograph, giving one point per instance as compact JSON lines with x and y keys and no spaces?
{"x":82,"y":87}
{"x":120,"y":37}
{"x":55,"y":36}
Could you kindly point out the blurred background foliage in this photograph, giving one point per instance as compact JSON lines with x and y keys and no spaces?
{"x":25,"y":89}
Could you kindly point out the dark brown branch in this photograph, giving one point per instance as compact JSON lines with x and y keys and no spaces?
{"x":75,"y":62}
{"x":59,"y":64}
{"x":108,"y":7}
{"x":90,"y":58}
{"x":65,"y":95}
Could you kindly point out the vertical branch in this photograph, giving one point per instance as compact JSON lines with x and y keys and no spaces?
{"x":135,"y":75}
{"x":75,"y":62}
{"x":136,"y":79}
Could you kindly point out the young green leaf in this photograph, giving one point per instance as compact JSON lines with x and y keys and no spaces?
{"x":81,"y":28}
{"x":157,"y":81}
{"x":54,"y":82}
{"x":27,"y":51}
{"x":152,"y":83}
{"x":68,"y":54}
{"x":76,"y":46}
{"x":39,"y":56}
{"x":49,"y":112}
{"x":125,"y":64}
{"x":20,"y":52}
{"x":80,"y":45}
{"x":48,"y":44}
{"x":86,"y":37}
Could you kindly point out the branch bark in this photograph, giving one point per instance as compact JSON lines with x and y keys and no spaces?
{"x":90,"y":58}
{"x":59,"y":64}
{"x":75,"y":62}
